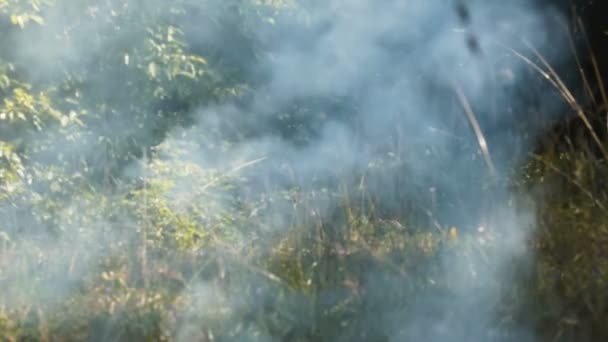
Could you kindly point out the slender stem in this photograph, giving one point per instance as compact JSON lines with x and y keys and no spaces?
{"x":483,"y":144}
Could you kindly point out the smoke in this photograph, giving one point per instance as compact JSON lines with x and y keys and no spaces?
{"x":398,"y":65}
{"x":383,"y":79}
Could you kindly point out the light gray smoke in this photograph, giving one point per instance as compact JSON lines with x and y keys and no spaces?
{"x":384,"y":78}
{"x":400,"y":64}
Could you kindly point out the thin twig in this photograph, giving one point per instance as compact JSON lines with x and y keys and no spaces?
{"x":232,"y":171}
{"x":483,"y":144}
{"x":596,"y":68}
{"x":575,"y":105}
{"x":581,"y":71}
{"x":553,"y":78}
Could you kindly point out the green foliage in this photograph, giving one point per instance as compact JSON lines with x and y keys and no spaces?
{"x":572,"y":267}
{"x":23,"y":12}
